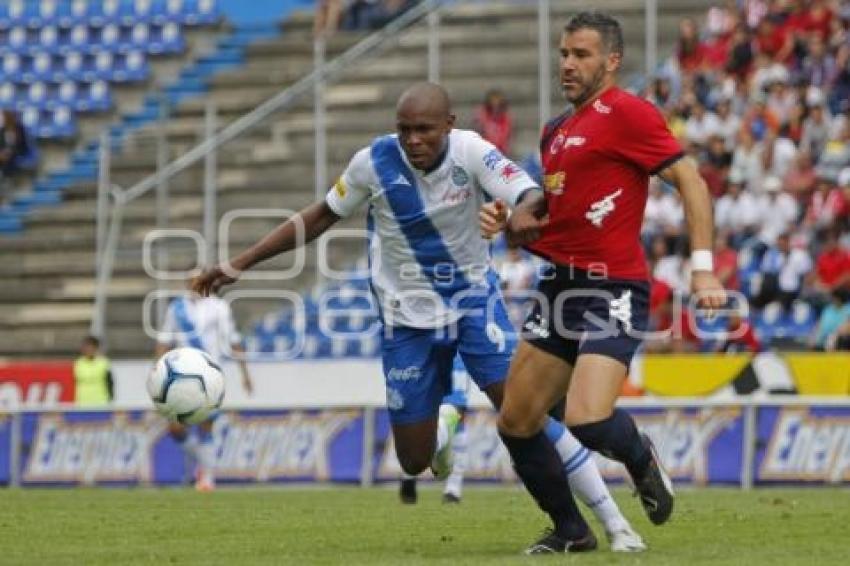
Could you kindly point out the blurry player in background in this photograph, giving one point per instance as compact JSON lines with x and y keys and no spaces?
{"x":438,"y":296}
{"x":459,"y":400}
{"x":205,"y":323}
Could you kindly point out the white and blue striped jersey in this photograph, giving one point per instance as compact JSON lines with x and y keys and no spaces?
{"x":205,"y":323}
{"x":425,"y":248}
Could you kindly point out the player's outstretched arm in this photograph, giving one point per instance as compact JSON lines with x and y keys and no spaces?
{"x":698,"y":212}
{"x":299,"y":230}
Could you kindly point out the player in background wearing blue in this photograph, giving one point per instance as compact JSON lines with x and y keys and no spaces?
{"x":459,"y":400}
{"x":437,"y":294}
{"x":205,"y":323}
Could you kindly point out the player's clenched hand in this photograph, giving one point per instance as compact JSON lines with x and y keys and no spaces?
{"x":213,"y":279}
{"x":708,"y":290}
{"x":492,"y":218}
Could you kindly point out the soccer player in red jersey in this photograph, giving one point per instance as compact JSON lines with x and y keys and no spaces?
{"x":597,"y":163}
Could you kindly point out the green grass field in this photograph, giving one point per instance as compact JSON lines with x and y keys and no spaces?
{"x":369,"y":526}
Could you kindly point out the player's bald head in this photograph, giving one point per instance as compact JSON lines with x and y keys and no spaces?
{"x":425,"y":99}
{"x":424,"y":121}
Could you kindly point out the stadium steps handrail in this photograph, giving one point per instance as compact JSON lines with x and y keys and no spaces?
{"x":370,"y":45}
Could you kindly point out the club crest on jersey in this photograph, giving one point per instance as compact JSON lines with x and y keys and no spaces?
{"x":492,"y":159}
{"x":601,"y":108}
{"x":459,"y":176}
{"x":600,"y":209}
{"x":340,"y":188}
{"x":554,"y":183}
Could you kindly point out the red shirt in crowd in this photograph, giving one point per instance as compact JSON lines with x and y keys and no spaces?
{"x":495,"y":127}
{"x":832,"y":265}
{"x":597,"y":163}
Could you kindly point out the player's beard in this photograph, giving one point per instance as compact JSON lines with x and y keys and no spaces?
{"x":591,"y":87}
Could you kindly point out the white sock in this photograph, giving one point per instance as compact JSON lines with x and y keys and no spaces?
{"x":454,"y":484}
{"x":206,"y":454}
{"x":584,"y":477}
{"x":406,"y":476}
{"x":442,"y":434}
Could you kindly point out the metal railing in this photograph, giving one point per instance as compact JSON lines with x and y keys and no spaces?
{"x":110,"y":217}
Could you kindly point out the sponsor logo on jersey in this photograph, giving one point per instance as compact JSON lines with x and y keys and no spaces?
{"x":340,"y":188}
{"x":554,"y":183}
{"x":557,"y":143}
{"x":492,"y":159}
{"x":459,"y":176}
{"x":576,"y":141}
{"x":600,"y":209}
{"x":509,"y":171}
{"x":601,"y":108}
{"x":404,"y":374}
{"x":395,"y":401}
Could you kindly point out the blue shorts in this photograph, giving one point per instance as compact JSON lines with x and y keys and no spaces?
{"x":588,"y":315}
{"x":418,"y":363}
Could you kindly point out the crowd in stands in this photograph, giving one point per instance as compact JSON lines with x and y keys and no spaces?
{"x":759,"y":95}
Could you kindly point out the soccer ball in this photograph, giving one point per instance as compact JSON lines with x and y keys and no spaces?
{"x":186,"y":385}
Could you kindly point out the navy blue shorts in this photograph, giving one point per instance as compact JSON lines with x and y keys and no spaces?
{"x":582,"y":313}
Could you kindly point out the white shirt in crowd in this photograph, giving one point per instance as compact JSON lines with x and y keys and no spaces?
{"x":663,"y":211}
{"x":737,"y":212}
{"x":778,"y":214}
{"x":699,"y":128}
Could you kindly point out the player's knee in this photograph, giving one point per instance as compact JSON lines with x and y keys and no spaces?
{"x":413,"y":463}
{"x":516,"y":424}
{"x":582,"y":413}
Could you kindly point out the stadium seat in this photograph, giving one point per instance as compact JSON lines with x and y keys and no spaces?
{"x":12,"y":67}
{"x":104,"y":13}
{"x":8,"y":93}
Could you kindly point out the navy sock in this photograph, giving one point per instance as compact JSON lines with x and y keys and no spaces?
{"x":616,"y":437}
{"x":540,"y":468}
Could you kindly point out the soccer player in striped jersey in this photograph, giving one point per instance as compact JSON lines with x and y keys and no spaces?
{"x":438,"y":295}
{"x":205,"y":323}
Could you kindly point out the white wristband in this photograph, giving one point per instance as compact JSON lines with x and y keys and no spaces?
{"x":702,"y":260}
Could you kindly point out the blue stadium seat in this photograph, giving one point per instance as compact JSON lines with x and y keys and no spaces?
{"x":73,"y":68}
{"x":17,"y":13}
{"x":8,"y":93}
{"x":40,"y":68}
{"x":75,"y":38}
{"x":143,"y":11}
{"x":104,"y":12}
{"x":167,"y":38}
{"x":49,"y":39}
{"x":37,"y":95}
{"x":12,"y":67}
{"x":17,"y":38}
